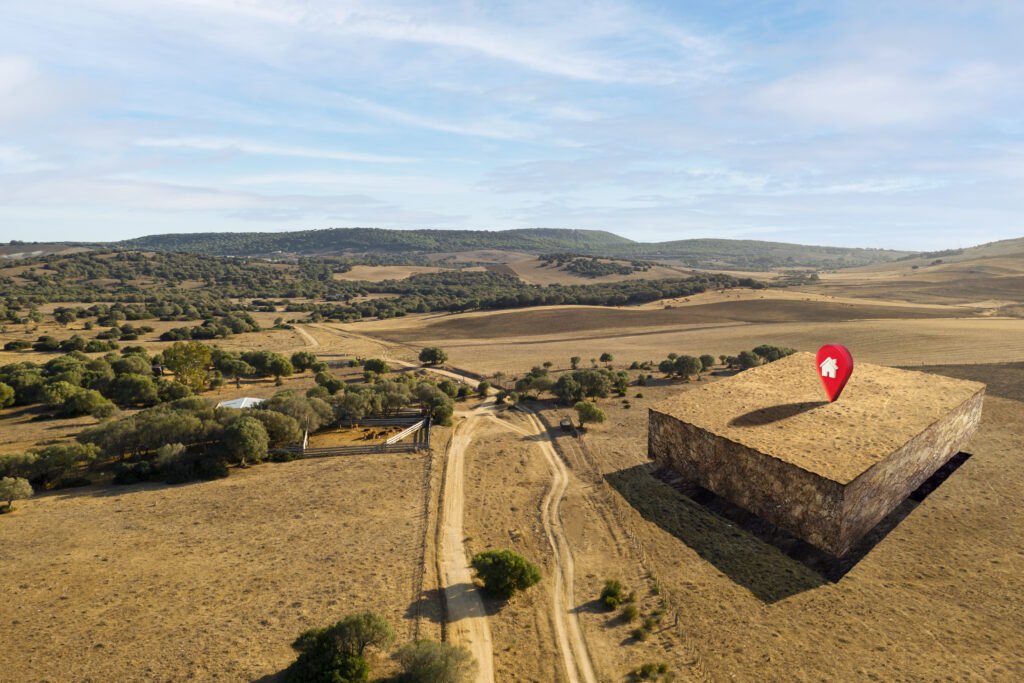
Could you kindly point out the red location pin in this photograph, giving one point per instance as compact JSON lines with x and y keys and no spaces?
{"x":835,"y":365}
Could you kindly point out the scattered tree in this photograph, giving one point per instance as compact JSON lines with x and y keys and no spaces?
{"x":246,"y":439}
{"x":433,"y":355}
{"x":190,"y":363}
{"x":427,"y":661}
{"x":589,"y":412}
{"x":14,"y":488}
{"x":504,"y":572}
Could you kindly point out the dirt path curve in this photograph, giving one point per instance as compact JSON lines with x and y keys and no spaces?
{"x":466,"y":615}
{"x":571,"y":643}
{"x":311,"y":341}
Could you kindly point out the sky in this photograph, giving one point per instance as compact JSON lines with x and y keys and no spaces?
{"x":849,"y":123}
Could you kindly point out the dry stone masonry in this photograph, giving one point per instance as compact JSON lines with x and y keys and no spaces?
{"x":767,"y":440}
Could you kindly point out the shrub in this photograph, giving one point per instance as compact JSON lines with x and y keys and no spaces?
{"x":649,"y":671}
{"x":613,"y":594}
{"x":630,"y":612}
{"x":426,"y":661}
{"x":482,"y":388}
{"x":504,"y":572}
{"x":707,"y":361}
{"x":640,"y":634}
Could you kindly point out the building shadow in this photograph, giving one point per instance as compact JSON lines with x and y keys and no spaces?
{"x":748,"y":561}
{"x":754,"y":553}
{"x":764,"y":416}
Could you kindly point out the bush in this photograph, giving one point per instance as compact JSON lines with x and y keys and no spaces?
{"x":12,"y":489}
{"x":630,"y":612}
{"x":426,"y":661}
{"x":707,"y":361}
{"x":649,"y":671}
{"x":612,"y":595}
{"x":504,"y":572}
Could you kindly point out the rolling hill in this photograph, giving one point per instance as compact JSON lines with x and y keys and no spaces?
{"x":700,"y":253}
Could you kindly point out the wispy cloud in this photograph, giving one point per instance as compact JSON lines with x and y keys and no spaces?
{"x":260,"y":148}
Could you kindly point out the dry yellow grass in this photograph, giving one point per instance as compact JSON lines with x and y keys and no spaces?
{"x":207,"y":580}
{"x":940,"y":598}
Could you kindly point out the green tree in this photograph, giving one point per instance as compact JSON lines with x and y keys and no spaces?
{"x":747,"y":360}
{"x":607,"y":357}
{"x":427,"y":661}
{"x":246,"y":439}
{"x":685,"y":366}
{"x":707,"y":361}
{"x":64,"y":316}
{"x":574,"y":362}
{"x":433,"y":355}
{"x":504,"y":573}
{"x":190,"y":363}
{"x":589,"y":412}
{"x":482,"y":388}
{"x":303,"y":360}
{"x":279,"y":367}
{"x":133,"y":390}
{"x":6,"y":395}
{"x":282,"y":430}
{"x":376,"y":365}
{"x":88,"y":402}
{"x":14,"y":488}
{"x":336,"y":653}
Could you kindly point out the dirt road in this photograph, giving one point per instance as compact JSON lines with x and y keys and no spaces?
{"x":466,"y":616}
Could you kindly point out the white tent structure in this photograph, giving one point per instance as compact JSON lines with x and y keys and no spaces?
{"x":246,"y":402}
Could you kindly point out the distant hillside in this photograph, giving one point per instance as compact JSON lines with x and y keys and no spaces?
{"x":359,"y":240}
{"x":702,"y":253}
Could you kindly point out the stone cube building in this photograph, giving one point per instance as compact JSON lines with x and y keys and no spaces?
{"x":769,"y":441}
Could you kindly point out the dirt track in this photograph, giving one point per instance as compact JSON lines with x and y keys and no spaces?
{"x":465,"y":608}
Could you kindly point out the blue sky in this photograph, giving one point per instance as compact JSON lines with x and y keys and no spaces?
{"x":850,"y":123}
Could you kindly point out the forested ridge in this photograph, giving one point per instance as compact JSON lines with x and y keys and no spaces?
{"x":192,"y":286}
{"x":413,"y":244}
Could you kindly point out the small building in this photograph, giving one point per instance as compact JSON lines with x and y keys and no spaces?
{"x":241,"y":403}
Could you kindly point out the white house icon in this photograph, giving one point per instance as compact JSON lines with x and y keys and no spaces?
{"x":829,"y":367}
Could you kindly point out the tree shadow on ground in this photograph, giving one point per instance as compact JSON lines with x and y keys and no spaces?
{"x":764,"y":416}
{"x":434,"y":603}
{"x":768,"y":561}
{"x":430,"y":606}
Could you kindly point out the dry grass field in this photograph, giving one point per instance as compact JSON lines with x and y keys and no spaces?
{"x":889,"y":334}
{"x":207,"y":581}
{"x":938,"y":599}
{"x":214,"y":580}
